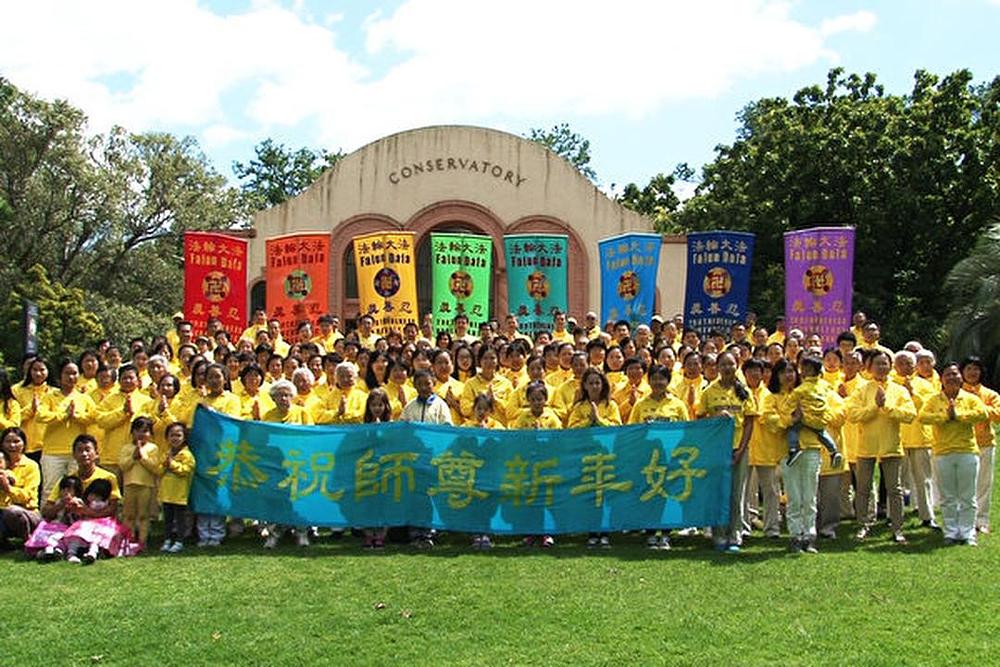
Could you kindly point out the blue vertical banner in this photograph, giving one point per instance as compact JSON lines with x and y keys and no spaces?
{"x":536,"y":279}
{"x":718,"y":280}
{"x":629,"y":263}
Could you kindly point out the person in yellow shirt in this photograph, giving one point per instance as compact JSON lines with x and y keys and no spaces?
{"x":258,"y":323}
{"x":659,"y":404}
{"x":559,"y":332}
{"x":10,"y":408}
{"x":116,"y":413}
{"x":536,"y":414}
{"x":19,"y":480}
{"x":176,"y":466}
{"x":487,"y":381}
{"x":286,"y":411}
{"x":328,"y":333}
{"x":689,"y":384}
{"x":256,"y":399}
{"x":634,"y":388}
{"x":954,"y":414}
{"x":518,"y":399}
{"x":879,"y":407}
{"x":139,"y":461}
{"x":85,"y":454}
{"x":366,"y":333}
{"x":768,"y":445}
{"x":833,"y":364}
{"x":925,"y":368}
{"x":345,"y":402}
{"x":811,"y":413}
{"x":304,"y":397}
{"x":563,"y":370}
{"x":594,"y":407}
{"x":446,"y":386}
{"x":728,"y":397}
{"x":484,"y":410}
{"x":917,"y":437}
{"x":779,"y":332}
{"x":88,"y":364}
{"x":972,"y":375}
{"x":66,"y":414}
{"x":567,"y":393}
{"x":515,"y":371}
{"x":399,"y":387}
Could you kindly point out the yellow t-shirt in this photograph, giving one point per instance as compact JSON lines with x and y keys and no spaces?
{"x":142,"y":472}
{"x":668,"y":408}
{"x":547,"y":420}
{"x":24,"y":491}
{"x":99,"y":473}
{"x":716,"y":398}
{"x":296,"y":414}
{"x":111,"y":416}
{"x":60,"y":431}
{"x":607,"y":415}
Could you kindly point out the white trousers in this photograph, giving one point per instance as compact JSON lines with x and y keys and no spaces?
{"x":984,"y":486}
{"x":918,"y":462}
{"x":957,"y":478}
{"x":801,"y":481}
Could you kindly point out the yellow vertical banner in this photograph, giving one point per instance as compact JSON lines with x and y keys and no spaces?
{"x":387,"y":281}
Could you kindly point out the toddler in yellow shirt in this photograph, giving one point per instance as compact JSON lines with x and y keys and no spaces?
{"x":810,"y":401}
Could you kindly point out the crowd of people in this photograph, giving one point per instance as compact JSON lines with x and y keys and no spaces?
{"x":95,"y":447}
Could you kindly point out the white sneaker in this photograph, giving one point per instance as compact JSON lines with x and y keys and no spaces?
{"x":652,"y":542}
{"x":271,"y":541}
{"x":177,"y":547}
{"x":302,"y":539}
{"x":74,"y":559}
{"x":664,"y":544}
{"x":605,"y":542}
{"x":167,"y":546}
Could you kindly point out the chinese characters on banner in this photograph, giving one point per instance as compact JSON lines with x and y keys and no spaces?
{"x":655,"y":475}
{"x":718,"y":280}
{"x":463,"y":273}
{"x":819,"y":281}
{"x":298,"y":276}
{"x":215,"y":281}
{"x":536,"y":279}
{"x":629,"y":263}
{"x":387,"y":279}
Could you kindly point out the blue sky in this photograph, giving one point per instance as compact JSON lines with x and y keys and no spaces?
{"x":650,"y":84}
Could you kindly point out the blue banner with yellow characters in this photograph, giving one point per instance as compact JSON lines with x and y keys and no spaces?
{"x":655,"y":475}
{"x":629,"y":263}
{"x":718,"y":280}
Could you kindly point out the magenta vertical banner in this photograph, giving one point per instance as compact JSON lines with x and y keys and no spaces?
{"x":819,"y":281}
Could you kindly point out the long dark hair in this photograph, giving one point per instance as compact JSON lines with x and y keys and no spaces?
{"x":605,"y":387}
{"x":6,"y":392}
{"x":774,"y":384}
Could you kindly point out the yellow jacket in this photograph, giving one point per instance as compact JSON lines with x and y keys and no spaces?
{"x":954,"y":436}
{"x":60,"y":430}
{"x":623,"y":397}
{"x":178,"y":472}
{"x":518,"y":400}
{"x":262,"y":401}
{"x":11,"y":414}
{"x":607,"y":415}
{"x":837,"y":413}
{"x":525,"y":420}
{"x":716,"y":398}
{"x":476,"y":385}
{"x":812,"y":397}
{"x":141,"y":472}
{"x":354,"y":406}
{"x":409,"y":393}
{"x":851,"y":431}
{"x":227,"y":403}
{"x":769,"y":443}
{"x":985,"y":437}
{"x":163,"y":419}
{"x":916,"y":434}
{"x":880,"y":426}
{"x":455,"y":387}
{"x":111,"y":416}
{"x":33,"y":429}
{"x":688,"y":391}
{"x":564,"y":397}
{"x":24,"y":491}
{"x":669,"y":408}
{"x":296,"y":414}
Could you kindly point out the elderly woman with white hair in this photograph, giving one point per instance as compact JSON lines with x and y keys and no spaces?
{"x":345,"y":401}
{"x":285,"y":411}
{"x":917,"y":437}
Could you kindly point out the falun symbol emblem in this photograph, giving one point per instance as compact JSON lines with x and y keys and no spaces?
{"x":818,"y":280}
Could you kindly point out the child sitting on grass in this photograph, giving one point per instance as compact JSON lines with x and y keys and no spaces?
{"x":810,"y":400}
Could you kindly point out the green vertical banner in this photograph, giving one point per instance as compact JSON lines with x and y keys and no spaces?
{"x":462,"y":278}
{"x":536,"y":279}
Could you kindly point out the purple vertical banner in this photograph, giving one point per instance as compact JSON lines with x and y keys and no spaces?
{"x":819,"y":281}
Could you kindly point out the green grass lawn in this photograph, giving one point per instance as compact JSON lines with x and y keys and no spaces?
{"x":870,"y":603}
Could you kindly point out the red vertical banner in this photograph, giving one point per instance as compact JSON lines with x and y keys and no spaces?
{"x":298,"y":273}
{"x":215,"y":281}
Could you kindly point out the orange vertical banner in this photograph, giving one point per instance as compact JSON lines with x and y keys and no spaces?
{"x":215,"y":281}
{"x":298,"y":276}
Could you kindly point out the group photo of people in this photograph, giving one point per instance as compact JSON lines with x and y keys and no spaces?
{"x":850,"y":437}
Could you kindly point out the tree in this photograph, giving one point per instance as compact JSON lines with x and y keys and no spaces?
{"x":657,"y":200}
{"x":65,"y":326}
{"x":918,"y":176}
{"x":278,"y":173}
{"x":568,"y":145}
{"x":973,"y":290}
{"x":104,"y":214}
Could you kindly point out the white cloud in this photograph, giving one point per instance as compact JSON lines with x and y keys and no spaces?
{"x":862,"y":21}
{"x":455,"y":61}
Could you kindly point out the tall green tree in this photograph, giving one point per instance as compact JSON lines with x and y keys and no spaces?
{"x":973,"y":290}
{"x":277,"y":173}
{"x":916,"y":175}
{"x":567,"y":144}
{"x":104,"y":214}
{"x":657,"y":200}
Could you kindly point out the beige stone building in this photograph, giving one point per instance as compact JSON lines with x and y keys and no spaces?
{"x":459,"y":178}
